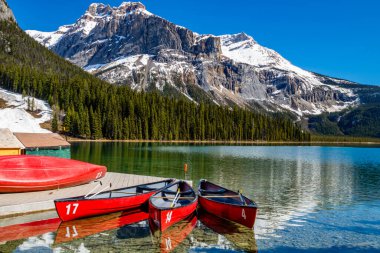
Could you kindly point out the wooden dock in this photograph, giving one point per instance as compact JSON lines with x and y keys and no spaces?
{"x":22,"y":203}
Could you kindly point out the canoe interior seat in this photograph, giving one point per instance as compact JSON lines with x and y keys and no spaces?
{"x":185,"y":193}
{"x":233,"y":201}
{"x":144,"y":188}
{"x":219,"y":191}
{"x":166,"y":203}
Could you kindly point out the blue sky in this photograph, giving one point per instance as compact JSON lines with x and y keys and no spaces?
{"x":339,"y":38}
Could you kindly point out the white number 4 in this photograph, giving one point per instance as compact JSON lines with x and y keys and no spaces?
{"x":68,"y":208}
{"x":243,"y":214}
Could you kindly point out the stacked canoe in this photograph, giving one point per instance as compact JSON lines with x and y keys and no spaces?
{"x":27,"y":173}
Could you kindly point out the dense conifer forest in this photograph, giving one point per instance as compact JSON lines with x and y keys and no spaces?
{"x":91,"y":108}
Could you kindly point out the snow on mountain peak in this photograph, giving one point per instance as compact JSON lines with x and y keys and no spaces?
{"x":243,"y":48}
{"x":132,"y":5}
{"x":100,"y":10}
{"x":238,"y":37}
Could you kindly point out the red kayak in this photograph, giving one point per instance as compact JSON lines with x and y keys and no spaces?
{"x":77,"y":229}
{"x":24,"y":173}
{"x":227,"y":204}
{"x":172,"y":204}
{"x":103,"y":202}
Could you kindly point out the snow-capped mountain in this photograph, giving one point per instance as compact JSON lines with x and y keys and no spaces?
{"x":127,"y":45}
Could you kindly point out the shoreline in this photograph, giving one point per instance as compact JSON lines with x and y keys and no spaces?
{"x":311,"y":143}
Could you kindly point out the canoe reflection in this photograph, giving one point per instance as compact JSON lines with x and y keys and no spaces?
{"x":242,"y":237}
{"x":25,"y":230}
{"x":76,"y":229}
{"x":172,"y":237}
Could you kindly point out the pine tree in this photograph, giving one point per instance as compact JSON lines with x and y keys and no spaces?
{"x":54,"y":123}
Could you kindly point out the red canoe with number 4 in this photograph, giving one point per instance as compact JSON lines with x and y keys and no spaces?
{"x":24,"y":173}
{"x":172,"y":204}
{"x":227,"y":204}
{"x":103,"y":202}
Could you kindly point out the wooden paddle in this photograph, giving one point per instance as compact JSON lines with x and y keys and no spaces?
{"x":241,"y":197}
{"x":176,"y":197}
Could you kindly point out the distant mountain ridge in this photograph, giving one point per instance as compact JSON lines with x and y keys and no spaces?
{"x":87,"y":107}
{"x":128,"y":45}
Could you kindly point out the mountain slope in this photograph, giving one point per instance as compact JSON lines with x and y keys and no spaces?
{"x":15,"y":113}
{"x":92,"y":108}
{"x":127,"y":45}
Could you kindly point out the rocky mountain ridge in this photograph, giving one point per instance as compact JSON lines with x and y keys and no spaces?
{"x":5,"y":12}
{"x":128,"y":45}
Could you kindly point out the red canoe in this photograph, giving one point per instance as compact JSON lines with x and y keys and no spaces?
{"x":104,"y":202}
{"x":227,"y":204}
{"x":172,"y":204}
{"x":76,"y":229}
{"x":26,"y":173}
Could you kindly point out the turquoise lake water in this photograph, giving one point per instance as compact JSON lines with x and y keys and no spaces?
{"x":310,"y":198}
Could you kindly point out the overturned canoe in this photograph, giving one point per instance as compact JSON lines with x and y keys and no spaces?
{"x":227,"y":204}
{"x":104,"y":202}
{"x":26,"y":173}
{"x":172,"y":204}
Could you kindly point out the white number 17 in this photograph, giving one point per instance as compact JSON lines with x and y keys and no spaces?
{"x":68,"y":208}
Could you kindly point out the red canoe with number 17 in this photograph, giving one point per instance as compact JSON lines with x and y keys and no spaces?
{"x":98,"y":202}
{"x":227,"y":204}
{"x":24,"y":173}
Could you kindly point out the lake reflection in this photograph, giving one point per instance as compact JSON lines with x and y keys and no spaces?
{"x":310,"y":198}
{"x":130,"y":231}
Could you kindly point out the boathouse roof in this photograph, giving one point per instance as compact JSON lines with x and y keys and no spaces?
{"x":41,"y":140}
